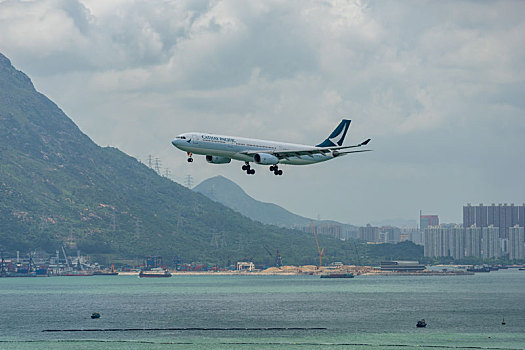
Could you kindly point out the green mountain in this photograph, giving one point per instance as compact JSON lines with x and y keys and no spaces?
{"x":59,"y":187}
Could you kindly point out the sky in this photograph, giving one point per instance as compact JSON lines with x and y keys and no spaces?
{"x":439,"y":87}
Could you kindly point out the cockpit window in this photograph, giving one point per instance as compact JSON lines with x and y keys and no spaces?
{"x":181,"y":137}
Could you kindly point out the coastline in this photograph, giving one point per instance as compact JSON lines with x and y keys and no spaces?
{"x":309,"y":270}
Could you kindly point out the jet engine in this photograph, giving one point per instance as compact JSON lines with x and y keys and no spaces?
{"x":265,"y":159}
{"x":218,"y":160}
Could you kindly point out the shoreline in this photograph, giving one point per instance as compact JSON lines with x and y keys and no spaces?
{"x":309,"y":271}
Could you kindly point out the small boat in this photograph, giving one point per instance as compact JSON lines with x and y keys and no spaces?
{"x":521,"y":269}
{"x":111,"y":272}
{"x":338,"y":275}
{"x":421,"y":323}
{"x":95,"y":315}
{"x":503,"y":322}
{"x":104,"y":273}
{"x":157,"y":272}
{"x":479,"y":269}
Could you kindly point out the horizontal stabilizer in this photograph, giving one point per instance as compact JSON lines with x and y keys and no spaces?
{"x":362,"y":150}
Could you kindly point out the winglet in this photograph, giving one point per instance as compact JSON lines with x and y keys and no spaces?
{"x":364,"y":142}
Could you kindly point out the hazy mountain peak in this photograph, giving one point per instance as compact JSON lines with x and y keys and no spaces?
{"x":227,"y":192}
{"x":220,"y":189}
{"x":230,"y":194}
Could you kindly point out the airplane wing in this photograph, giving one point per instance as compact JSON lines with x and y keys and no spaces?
{"x":285,"y":154}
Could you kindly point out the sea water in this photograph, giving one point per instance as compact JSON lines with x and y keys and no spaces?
{"x":264,"y":312}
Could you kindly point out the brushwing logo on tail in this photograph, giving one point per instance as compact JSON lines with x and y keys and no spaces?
{"x":337,"y":137}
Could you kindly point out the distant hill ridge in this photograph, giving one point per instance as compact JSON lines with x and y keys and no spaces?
{"x":230,"y":194}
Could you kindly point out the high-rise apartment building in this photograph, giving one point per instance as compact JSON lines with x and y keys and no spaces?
{"x":456,"y":242}
{"x":492,"y":215}
{"x":369,"y":233}
{"x":487,"y":232}
{"x":521,"y":216}
{"x":414,"y":234}
{"x":502,"y":216}
{"x":473,"y":241}
{"x":436,"y":241}
{"x":391,"y":234}
{"x":481,"y":216}
{"x":445,"y":241}
{"x":516,"y":242}
{"x":490,"y":242}
{"x":469,"y":215}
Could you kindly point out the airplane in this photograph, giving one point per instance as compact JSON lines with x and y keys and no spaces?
{"x":220,"y":149}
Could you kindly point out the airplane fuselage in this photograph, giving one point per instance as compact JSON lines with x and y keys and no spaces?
{"x":232,"y":146}
{"x":220,"y":149}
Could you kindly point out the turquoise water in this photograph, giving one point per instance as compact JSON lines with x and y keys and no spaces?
{"x":368,"y":312}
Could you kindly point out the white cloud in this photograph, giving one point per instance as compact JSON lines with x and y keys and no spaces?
{"x":435,"y":84}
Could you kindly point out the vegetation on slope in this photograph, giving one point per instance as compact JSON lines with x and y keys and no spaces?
{"x":57,"y":186}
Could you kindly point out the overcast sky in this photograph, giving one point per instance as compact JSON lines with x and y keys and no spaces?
{"x":439,"y":86}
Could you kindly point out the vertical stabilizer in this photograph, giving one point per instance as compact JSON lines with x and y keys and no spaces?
{"x":337,"y":136}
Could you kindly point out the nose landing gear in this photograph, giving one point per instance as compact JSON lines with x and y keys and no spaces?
{"x":190,"y":159}
{"x":276,"y":170}
{"x":246,"y":167}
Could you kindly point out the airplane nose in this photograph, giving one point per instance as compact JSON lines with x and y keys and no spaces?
{"x":174,"y":142}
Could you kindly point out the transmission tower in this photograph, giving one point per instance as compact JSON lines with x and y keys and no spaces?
{"x":214,"y":242}
{"x":189,"y":181}
{"x":167,"y":173}
{"x":138,"y":228}
{"x":157,"y":165}
{"x":150,"y":161}
{"x":113,"y":222}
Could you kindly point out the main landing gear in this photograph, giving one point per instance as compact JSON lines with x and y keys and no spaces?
{"x":190,"y":159}
{"x":246,"y":167}
{"x":276,"y":170}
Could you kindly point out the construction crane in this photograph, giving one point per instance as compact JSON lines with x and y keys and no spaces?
{"x":268,"y":250}
{"x":319,"y":250}
{"x":68,"y":264}
{"x":357,"y":254}
{"x":278,"y":259}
